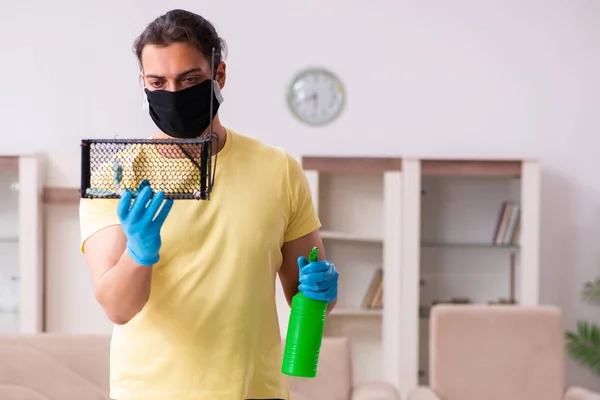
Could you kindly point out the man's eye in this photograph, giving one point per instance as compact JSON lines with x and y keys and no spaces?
{"x":156,"y":84}
{"x":190,"y":80}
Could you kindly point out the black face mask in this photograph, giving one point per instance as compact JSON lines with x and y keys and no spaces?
{"x":184,"y":114}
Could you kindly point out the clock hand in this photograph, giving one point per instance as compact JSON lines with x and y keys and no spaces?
{"x":304,"y":99}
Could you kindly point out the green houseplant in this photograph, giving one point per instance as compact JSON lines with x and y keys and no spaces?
{"x":583,"y":345}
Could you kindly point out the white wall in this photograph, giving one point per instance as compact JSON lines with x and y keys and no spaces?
{"x":462,"y":78}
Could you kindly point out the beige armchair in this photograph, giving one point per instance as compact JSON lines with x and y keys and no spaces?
{"x":497,"y":353}
{"x":334,"y":378}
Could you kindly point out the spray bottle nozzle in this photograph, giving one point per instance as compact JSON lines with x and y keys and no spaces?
{"x":314,"y":255}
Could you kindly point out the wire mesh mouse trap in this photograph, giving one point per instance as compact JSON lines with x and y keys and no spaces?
{"x":181,"y":168}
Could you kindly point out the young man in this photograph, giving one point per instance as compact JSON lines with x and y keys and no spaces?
{"x":190,"y":285}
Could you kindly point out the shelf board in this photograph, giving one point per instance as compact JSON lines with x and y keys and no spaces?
{"x":9,"y":164}
{"x":61,"y":195}
{"x":356,"y":312}
{"x":349,"y":237}
{"x":508,"y":168}
{"x":352,"y":165}
{"x":442,"y":245}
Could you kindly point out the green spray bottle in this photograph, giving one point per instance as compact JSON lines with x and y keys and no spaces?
{"x":305,"y":333}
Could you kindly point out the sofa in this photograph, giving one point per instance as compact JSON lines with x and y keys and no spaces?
{"x":54,"y":367}
{"x":497,"y":353}
{"x":334,"y":378}
{"x":75,"y":367}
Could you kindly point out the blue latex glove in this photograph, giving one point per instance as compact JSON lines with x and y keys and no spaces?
{"x":318,"y":280}
{"x":142,"y":224}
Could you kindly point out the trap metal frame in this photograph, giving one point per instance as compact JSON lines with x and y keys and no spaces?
{"x":109,"y":166}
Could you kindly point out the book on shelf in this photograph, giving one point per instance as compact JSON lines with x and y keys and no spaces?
{"x":508,"y":226}
{"x":373,"y":298}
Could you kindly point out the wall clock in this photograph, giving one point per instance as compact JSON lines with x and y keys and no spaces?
{"x":316,"y":96}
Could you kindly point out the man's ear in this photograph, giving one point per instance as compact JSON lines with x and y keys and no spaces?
{"x":142,"y":79}
{"x":221,"y":74}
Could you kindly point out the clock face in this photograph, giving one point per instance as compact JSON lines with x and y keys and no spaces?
{"x":316,"y":96}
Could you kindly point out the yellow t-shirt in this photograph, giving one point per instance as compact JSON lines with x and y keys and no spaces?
{"x":210,"y":328}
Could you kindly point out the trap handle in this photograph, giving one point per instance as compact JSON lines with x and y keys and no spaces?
{"x":85,"y":172}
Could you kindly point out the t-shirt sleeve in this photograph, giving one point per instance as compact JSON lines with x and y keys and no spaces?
{"x":95,"y":215}
{"x":303,"y":217}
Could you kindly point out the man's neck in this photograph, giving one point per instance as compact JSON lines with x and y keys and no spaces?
{"x":218,"y":128}
{"x":221,"y":132}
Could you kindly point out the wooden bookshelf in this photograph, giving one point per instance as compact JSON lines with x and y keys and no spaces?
{"x":21,"y":244}
{"x":472,"y":236}
{"x":358,"y":202}
{"x":350,"y":237}
{"x":353,"y":312}
{"x":9,"y":164}
{"x":440,"y":230}
{"x":52,"y":195}
{"x":471,"y":168}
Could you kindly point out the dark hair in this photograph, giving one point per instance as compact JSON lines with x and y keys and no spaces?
{"x":180,"y":26}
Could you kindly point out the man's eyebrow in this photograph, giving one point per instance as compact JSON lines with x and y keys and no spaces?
{"x":189,"y":71}
{"x":180,"y":75}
